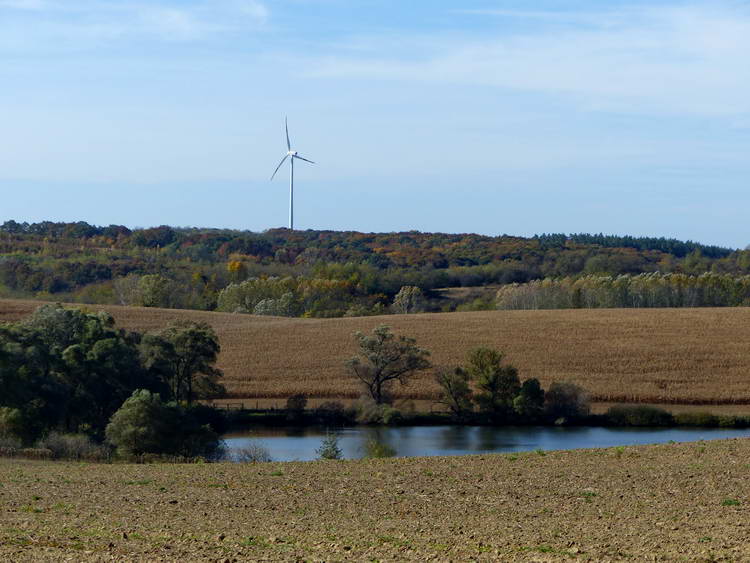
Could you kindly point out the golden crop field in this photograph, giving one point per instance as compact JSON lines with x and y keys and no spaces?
{"x":675,"y":356}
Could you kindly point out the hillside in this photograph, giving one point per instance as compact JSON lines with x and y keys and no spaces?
{"x":691,"y":356}
{"x":323,"y":273}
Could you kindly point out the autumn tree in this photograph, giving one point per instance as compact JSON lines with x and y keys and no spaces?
{"x":156,"y":291}
{"x":383,"y":359}
{"x":409,"y":299}
{"x":237,"y":270}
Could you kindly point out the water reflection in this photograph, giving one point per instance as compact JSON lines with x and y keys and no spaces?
{"x":301,"y":443}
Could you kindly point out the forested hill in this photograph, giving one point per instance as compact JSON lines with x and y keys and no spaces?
{"x":354,"y":272}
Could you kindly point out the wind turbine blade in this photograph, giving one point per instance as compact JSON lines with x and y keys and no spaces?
{"x":279,"y":166}
{"x":286,"y":127}
{"x":298,"y":156}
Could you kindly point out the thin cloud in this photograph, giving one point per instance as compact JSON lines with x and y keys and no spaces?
{"x":684,"y":59}
{"x":39,"y":24}
{"x":551,"y":16}
{"x":33,"y":5}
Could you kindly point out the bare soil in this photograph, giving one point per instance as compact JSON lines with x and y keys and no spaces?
{"x":686,"y":502}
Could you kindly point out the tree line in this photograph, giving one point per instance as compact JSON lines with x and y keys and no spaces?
{"x":69,"y":371}
{"x":203,"y":268}
{"x":486,"y":389}
{"x":626,"y":291}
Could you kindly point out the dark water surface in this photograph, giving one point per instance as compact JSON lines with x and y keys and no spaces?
{"x":290,"y":444}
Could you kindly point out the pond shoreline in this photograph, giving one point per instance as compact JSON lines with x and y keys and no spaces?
{"x":628,"y":416}
{"x":302,"y":443}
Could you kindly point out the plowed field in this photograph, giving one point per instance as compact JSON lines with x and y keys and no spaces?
{"x":679,"y":502}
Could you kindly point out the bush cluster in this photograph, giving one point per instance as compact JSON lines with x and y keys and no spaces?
{"x":146,"y":425}
{"x":495,"y":389}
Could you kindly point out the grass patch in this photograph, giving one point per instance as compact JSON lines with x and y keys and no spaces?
{"x":393,"y":540}
{"x":547,"y":549}
{"x":32,"y":509}
{"x":588,"y":496}
{"x":255,"y":541}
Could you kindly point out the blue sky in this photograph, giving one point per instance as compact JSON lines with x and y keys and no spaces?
{"x":484,"y":116}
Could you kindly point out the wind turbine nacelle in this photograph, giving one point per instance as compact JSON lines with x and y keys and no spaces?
{"x":292,"y":153}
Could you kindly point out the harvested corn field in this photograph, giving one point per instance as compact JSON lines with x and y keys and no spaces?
{"x":672,"y":356}
{"x":686,"y":502}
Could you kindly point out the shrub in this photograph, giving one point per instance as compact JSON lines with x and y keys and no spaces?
{"x":375,"y":449}
{"x":9,"y":446}
{"x":638,"y":415}
{"x":10,"y":442}
{"x":696,"y":419}
{"x":332,"y":412}
{"x":145,"y":425}
{"x":566,"y":400}
{"x":36,"y":453}
{"x":369,"y":412}
{"x":15,"y":424}
{"x":254,"y":452}
{"x":329,"y":447}
{"x":73,"y":446}
{"x":206,"y":414}
{"x":195,"y":440}
{"x":8,"y":451}
{"x":296,"y":403}
{"x":295,"y":407}
{"x":729,"y":421}
{"x":529,"y":402}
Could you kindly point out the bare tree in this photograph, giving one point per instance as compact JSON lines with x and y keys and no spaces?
{"x":409,"y":299}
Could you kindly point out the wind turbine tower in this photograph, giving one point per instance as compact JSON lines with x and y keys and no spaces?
{"x":291,"y":155}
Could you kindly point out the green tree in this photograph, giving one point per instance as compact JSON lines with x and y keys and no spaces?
{"x":455,"y":392}
{"x":184,"y":354}
{"x":156,"y":291}
{"x":141,"y":425}
{"x":329,"y":447}
{"x":68,"y":369}
{"x":144,"y":424}
{"x":529,"y":402}
{"x":497,"y":384}
{"x":383,"y":359}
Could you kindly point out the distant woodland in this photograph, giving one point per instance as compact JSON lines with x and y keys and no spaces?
{"x":332,"y":274}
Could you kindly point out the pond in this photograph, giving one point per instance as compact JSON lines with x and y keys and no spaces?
{"x":300,"y":444}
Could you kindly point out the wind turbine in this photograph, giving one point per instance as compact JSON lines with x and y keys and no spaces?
{"x":291,"y":155}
